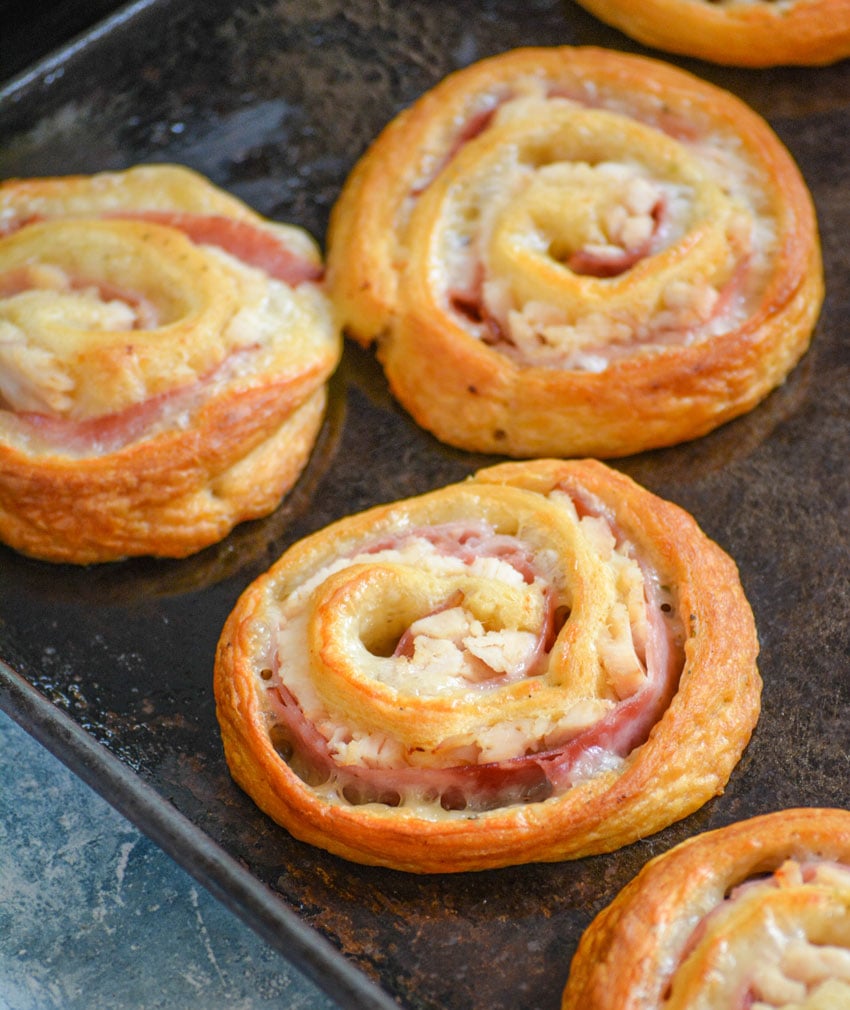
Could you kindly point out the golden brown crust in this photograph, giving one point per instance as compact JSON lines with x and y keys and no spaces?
{"x":163,"y":355}
{"x":746,"y":33}
{"x":656,"y":944}
{"x":349,"y":689}
{"x":526,"y":302}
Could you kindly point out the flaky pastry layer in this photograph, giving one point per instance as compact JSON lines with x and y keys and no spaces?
{"x":746,"y":33}
{"x":541,"y":662}
{"x":163,"y":354}
{"x":753,"y":916}
{"x":576,"y":252}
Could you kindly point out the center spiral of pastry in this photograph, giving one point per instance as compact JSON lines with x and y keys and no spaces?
{"x":576,"y":231}
{"x":123,"y":289}
{"x":777,"y":943}
{"x":98,"y":315}
{"x":496,"y":647}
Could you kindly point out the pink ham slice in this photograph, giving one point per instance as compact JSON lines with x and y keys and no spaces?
{"x":255,"y":246}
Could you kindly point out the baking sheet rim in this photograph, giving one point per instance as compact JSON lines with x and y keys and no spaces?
{"x":195,"y":851}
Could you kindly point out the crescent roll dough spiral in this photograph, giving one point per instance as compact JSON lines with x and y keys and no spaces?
{"x":163,"y":354}
{"x":754,"y":916}
{"x":746,"y":33}
{"x":541,"y":662}
{"x":577,"y":252}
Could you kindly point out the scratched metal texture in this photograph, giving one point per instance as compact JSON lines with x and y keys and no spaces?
{"x":111,"y":665}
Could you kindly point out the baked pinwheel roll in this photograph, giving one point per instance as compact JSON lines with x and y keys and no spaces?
{"x":163,"y":358}
{"x":754,"y":916}
{"x":746,"y":33}
{"x":541,"y":662}
{"x":566,"y":252}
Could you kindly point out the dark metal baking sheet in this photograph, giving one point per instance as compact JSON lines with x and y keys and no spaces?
{"x":111,"y":665}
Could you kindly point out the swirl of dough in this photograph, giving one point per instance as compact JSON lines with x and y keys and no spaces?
{"x":744,"y":33}
{"x":103,"y":352}
{"x":753,"y":916}
{"x":163,"y":354}
{"x":574,"y":252}
{"x":495,"y":672}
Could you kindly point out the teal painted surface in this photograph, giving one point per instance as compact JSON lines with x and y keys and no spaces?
{"x":94,"y":916}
